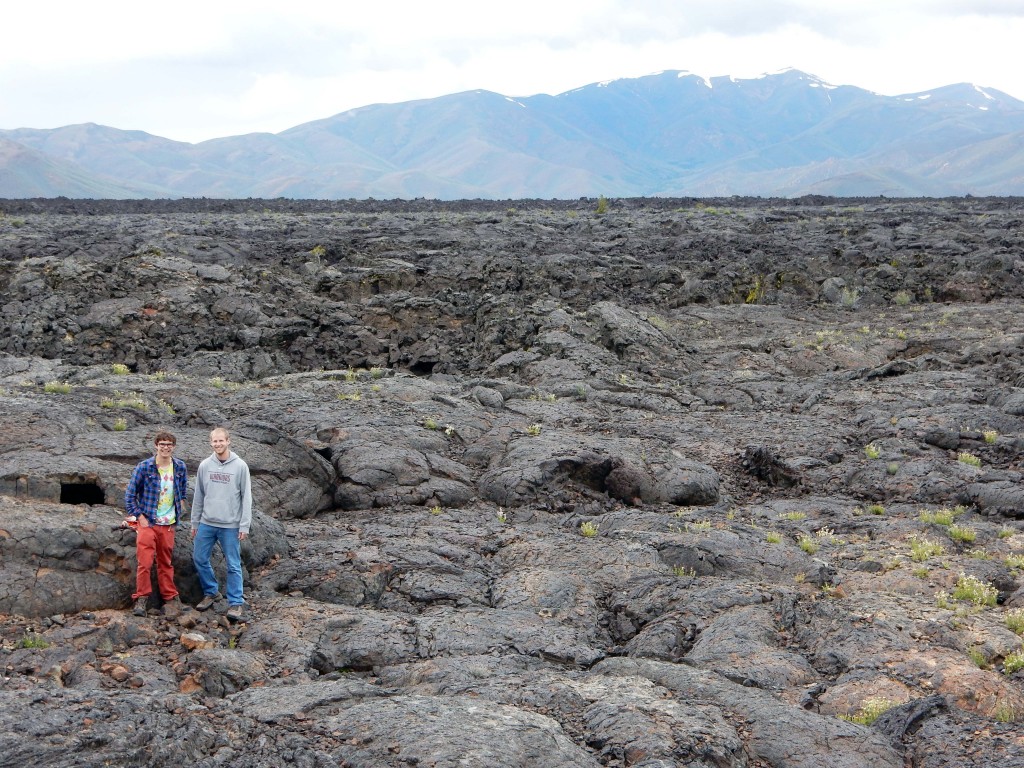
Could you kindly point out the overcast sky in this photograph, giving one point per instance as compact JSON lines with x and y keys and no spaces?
{"x":192,"y":71}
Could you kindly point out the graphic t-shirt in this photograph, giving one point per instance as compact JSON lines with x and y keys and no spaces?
{"x":165,"y":507}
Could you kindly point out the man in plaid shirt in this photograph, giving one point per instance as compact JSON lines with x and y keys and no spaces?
{"x":154,"y":497}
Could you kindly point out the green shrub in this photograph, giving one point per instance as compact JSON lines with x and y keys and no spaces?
{"x":120,"y":369}
{"x":962,"y":533}
{"x":793,"y":517}
{"x":120,"y":424}
{"x":922,"y":549}
{"x":973,"y":590}
{"x":872,"y":451}
{"x":1015,"y":561}
{"x":876,"y":509}
{"x":968,"y":458}
{"x":940,"y":516}
{"x":990,"y":435}
{"x":33,"y":640}
{"x":1014,"y":620}
{"x":589,"y":529}
{"x":901,"y":298}
{"x":1004,"y":713}
{"x":807,"y":544}
{"x":533,"y":430}
{"x":870,"y":710}
{"x":772,"y":537}
{"x":57,"y":388}
{"x":602,"y":205}
{"x":1013,"y":662}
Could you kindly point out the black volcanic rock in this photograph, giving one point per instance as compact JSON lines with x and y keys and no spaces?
{"x":533,"y":486}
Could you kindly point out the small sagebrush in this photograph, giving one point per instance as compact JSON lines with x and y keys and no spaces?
{"x":1014,"y":662}
{"x":964,"y":457}
{"x":971,"y":589}
{"x":807,"y":544}
{"x":922,"y":549}
{"x":1014,"y":620}
{"x":962,"y":533}
{"x":870,"y":710}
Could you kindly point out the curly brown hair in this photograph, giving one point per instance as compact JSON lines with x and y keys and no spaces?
{"x":165,"y":437}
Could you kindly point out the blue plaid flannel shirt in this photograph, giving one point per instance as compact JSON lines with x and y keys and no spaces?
{"x":143,"y":492}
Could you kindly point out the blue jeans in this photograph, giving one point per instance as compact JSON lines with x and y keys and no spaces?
{"x":202,"y":548}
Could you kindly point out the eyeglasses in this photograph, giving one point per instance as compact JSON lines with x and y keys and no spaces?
{"x":165,"y":445}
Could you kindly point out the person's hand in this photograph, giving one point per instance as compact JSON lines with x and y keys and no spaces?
{"x":143,"y":521}
{"x":193,"y":533}
{"x":242,"y":536}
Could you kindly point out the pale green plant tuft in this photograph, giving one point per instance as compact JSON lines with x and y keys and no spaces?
{"x":872,"y":451}
{"x":1014,"y":620}
{"x":964,"y":457}
{"x":1015,"y":561}
{"x":33,"y":640}
{"x":1014,"y":662}
{"x":1004,"y":713}
{"x":589,"y":529}
{"x":923,"y":549}
{"x":807,"y":543}
{"x":973,"y":590}
{"x":870,"y":710}
{"x":962,"y":533}
{"x":120,"y":369}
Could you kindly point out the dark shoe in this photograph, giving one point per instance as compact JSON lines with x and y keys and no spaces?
{"x":207,"y":602}
{"x":140,"y":606}
{"x":234,"y":613}
{"x":173,"y":607}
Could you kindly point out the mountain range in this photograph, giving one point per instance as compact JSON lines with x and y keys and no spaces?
{"x":673,"y":133}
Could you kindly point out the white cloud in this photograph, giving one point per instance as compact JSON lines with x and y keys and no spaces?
{"x":194,"y":70}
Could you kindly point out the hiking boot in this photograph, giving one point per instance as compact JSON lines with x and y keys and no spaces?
{"x":140,"y":606}
{"x":173,"y":607}
{"x":234,"y":613}
{"x":207,"y":602}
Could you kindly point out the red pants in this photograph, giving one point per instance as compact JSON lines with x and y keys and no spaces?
{"x":155,"y":542}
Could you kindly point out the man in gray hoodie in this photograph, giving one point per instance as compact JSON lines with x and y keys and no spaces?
{"x":221,"y":514}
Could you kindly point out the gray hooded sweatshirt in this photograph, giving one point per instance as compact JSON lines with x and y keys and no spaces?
{"x":223,"y":496}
